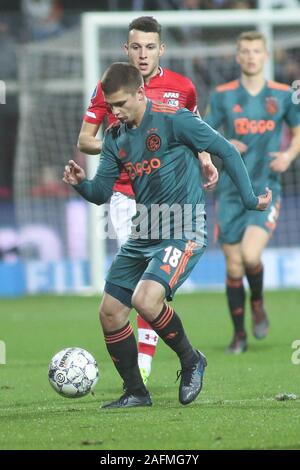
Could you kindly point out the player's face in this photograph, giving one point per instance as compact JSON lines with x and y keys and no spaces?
{"x":144,"y":51}
{"x":127,"y":107}
{"x":251,"y":57}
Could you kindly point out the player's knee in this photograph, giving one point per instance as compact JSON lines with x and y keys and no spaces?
{"x":250,"y":259}
{"x":109,"y":316}
{"x":145,"y":305}
{"x":235,"y":268}
{"x":139,"y":301}
{"x":111,"y":320}
{"x":104,"y":315}
{"x":234,"y":263}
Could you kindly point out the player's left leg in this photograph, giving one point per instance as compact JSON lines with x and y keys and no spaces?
{"x":254,"y":241}
{"x":171,"y":264}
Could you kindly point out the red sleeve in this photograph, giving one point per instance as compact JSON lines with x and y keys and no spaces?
{"x":191,"y":103}
{"x":97,"y":109}
{"x":95,"y":114}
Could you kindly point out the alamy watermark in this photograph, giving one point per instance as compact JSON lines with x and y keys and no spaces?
{"x":157,"y":222}
{"x":296,"y":93}
{"x":2,"y":92}
{"x":2,"y":352}
{"x":296,"y":354}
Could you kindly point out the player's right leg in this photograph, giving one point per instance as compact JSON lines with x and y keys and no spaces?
{"x":122,"y":278}
{"x":121,"y":346}
{"x":235,"y":294}
{"x":122,"y":209}
{"x":232,"y":218}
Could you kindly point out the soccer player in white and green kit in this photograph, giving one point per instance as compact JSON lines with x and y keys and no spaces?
{"x":158,"y":146}
{"x":252,"y":111}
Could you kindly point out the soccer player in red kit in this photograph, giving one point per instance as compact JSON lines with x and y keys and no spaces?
{"x":144,"y":49}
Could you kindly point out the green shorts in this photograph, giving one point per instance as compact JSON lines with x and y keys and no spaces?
{"x":168,"y":262}
{"x":233,"y":218}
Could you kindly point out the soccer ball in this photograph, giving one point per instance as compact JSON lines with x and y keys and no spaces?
{"x":73,"y":372}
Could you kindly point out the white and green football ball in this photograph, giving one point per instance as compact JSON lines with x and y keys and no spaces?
{"x":73,"y":372}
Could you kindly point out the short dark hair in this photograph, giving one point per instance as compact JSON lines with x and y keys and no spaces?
{"x":121,"y":75}
{"x":147,"y":24}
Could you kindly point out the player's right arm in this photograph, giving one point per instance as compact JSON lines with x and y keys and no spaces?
{"x":99,"y":189}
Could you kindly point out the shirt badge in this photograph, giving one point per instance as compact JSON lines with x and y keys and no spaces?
{"x":153,"y":142}
{"x":271,"y":105}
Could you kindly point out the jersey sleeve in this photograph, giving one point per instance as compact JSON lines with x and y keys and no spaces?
{"x":97,"y":109}
{"x":214,"y":115}
{"x":192,"y":103}
{"x":235,"y":167}
{"x":192,"y":131}
{"x":198,"y":136}
{"x":99,"y":189}
{"x":292,"y":113}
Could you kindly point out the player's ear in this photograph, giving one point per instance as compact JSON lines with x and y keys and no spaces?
{"x":141,"y":93}
{"x":125,"y":48}
{"x":162,"y":49}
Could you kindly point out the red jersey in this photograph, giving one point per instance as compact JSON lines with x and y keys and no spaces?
{"x":166,"y":87}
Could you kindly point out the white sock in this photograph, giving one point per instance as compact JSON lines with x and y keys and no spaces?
{"x":145,"y":361}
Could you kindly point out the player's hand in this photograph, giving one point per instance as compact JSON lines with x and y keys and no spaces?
{"x":73,"y":173}
{"x":211,"y":175}
{"x":242,"y":148}
{"x":264,"y":200}
{"x":280,"y":161}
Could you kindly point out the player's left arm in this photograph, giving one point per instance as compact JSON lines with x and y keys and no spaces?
{"x":197,"y":135}
{"x":209,"y":171}
{"x":282,"y":160}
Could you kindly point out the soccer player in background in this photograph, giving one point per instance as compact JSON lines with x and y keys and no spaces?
{"x":251,"y":110}
{"x":144,"y":49}
{"x":158,"y":146}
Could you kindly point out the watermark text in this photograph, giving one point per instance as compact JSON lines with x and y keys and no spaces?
{"x":2,"y":352}
{"x":296,"y":354}
{"x":158,"y":222}
{"x":296,"y":93}
{"x":2,"y":92}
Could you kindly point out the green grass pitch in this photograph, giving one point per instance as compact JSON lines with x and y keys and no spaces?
{"x":235,"y":410}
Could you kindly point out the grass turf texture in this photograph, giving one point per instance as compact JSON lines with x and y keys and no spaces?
{"x":235,"y":410}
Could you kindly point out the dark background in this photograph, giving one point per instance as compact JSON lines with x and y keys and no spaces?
{"x":14,"y":5}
